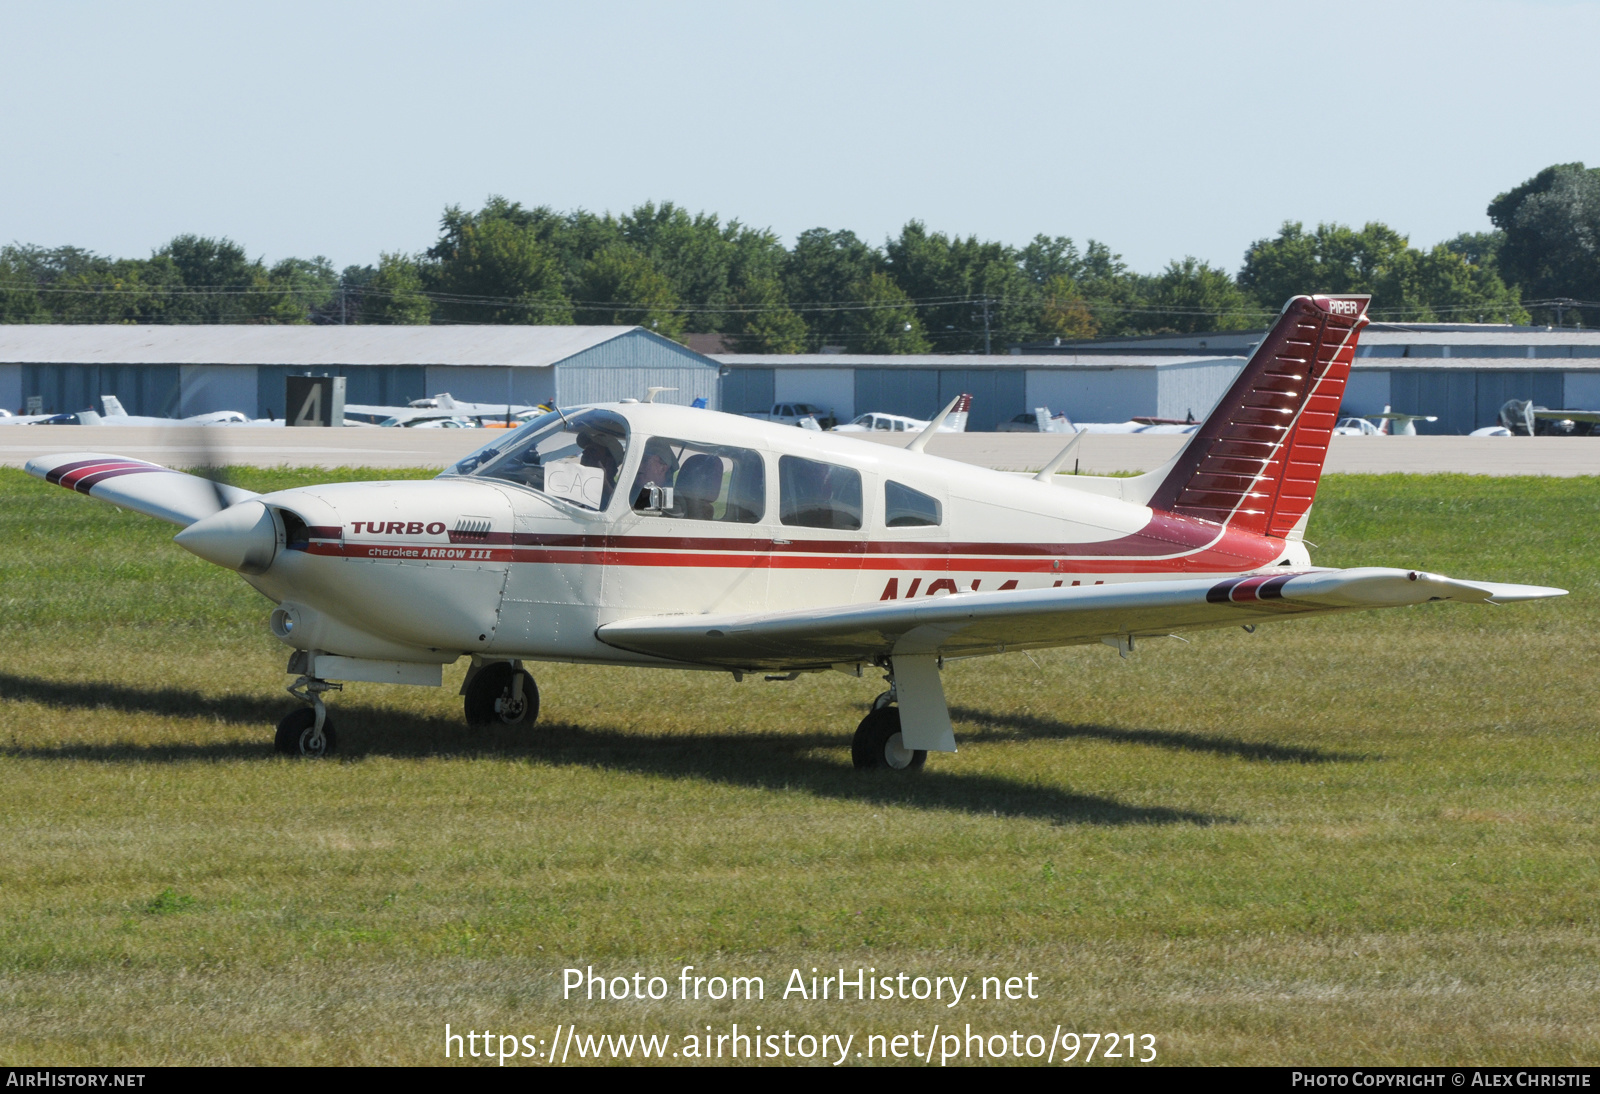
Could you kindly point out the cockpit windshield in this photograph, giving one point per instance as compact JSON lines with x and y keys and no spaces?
{"x":574,"y":456}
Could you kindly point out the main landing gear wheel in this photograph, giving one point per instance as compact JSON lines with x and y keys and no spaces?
{"x":502,"y":695}
{"x":297,"y":735}
{"x":878,"y":743}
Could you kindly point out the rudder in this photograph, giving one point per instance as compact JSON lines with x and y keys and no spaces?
{"x":1255,"y":462}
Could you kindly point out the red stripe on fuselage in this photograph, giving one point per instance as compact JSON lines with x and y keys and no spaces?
{"x":1165,"y":535}
{"x":1230,"y":551}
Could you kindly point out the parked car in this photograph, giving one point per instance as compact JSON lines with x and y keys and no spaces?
{"x":796,"y":413}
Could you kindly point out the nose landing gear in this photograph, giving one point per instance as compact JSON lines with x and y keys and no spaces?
{"x":501,"y":693}
{"x":307,"y":732}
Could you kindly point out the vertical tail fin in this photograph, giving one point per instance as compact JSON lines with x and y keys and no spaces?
{"x":1255,"y":462}
{"x":956,"y":420}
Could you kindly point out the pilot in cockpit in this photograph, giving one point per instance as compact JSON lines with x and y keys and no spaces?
{"x":597,"y":453}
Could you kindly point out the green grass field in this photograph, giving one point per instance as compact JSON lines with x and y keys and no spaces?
{"x":1365,"y":839}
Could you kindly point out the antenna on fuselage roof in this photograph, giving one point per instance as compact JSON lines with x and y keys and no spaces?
{"x":1061,"y":458}
{"x":650,"y":393}
{"x":921,"y":440}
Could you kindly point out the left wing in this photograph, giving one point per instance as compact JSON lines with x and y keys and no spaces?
{"x":970,"y":624}
{"x":149,"y":488}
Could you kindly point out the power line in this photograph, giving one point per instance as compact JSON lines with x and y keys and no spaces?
{"x":987,"y":302}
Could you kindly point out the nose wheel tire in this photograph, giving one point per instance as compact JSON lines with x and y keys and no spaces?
{"x":296,"y":735}
{"x":878,"y":744}
{"x":494,"y":699}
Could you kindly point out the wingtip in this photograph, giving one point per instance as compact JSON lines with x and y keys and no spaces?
{"x":1512,"y":594}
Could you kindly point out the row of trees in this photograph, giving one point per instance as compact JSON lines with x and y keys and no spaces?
{"x":661,"y":267}
{"x":190,"y":280}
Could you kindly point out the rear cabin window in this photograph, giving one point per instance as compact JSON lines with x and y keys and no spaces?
{"x":813,"y":494}
{"x":708,"y":481}
{"x":904,"y":507}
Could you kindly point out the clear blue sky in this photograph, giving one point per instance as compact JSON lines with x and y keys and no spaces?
{"x":1164,"y":129}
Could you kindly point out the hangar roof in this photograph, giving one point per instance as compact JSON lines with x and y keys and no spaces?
{"x":112,"y":344}
{"x":955,"y":360}
{"x":1378,"y":340}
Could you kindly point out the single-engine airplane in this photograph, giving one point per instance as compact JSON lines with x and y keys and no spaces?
{"x":650,"y":535}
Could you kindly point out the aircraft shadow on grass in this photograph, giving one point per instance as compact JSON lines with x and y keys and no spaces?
{"x":994,"y":726}
{"x":758,"y":761}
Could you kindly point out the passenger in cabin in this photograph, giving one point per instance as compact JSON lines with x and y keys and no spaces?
{"x":699,"y":483}
{"x":656,"y":468}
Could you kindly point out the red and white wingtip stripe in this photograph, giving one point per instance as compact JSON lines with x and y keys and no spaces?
{"x":144,"y":487}
{"x":81,"y":471}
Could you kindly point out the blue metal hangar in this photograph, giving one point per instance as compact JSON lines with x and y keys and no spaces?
{"x":1101,"y":388}
{"x":1462,"y":372}
{"x":175,"y":371}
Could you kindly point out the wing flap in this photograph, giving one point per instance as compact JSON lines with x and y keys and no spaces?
{"x":965,"y":624}
{"x":148,"y":488}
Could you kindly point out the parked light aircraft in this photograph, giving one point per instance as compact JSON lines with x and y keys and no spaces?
{"x":1519,"y":417}
{"x":648,"y":535}
{"x":435,"y":407}
{"x":112,"y":413}
{"x":1392,"y":422}
{"x":1356,"y":427}
{"x":952,"y":421}
{"x":1043,"y":421}
{"x":1397,"y":424}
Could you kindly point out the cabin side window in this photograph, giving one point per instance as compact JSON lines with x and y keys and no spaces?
{"x":813,"y":494}
{"x":904,"y":507}
{"x":703,"y":481}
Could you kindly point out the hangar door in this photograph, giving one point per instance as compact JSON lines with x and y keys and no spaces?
{"x":748,"y":391}
{"x":1466,"y":399}
{"x":998,"y":395}
{"x":913,"y":392}
{"x":142,"y":389}
{"x":368,"y":385}
{"x":1547,"y":389}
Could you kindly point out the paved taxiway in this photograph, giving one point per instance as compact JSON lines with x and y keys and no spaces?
{"x":189,"y":446}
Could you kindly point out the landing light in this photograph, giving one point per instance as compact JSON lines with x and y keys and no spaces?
{"x":281,"y":622}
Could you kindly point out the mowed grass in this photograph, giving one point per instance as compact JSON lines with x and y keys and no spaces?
{"x":1364,"y":839}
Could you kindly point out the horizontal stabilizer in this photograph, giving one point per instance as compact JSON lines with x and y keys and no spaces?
{"x":148,"y":488}
{"x":971,"y":624}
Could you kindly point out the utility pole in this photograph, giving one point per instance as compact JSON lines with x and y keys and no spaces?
{"x":986,"y":324}
{"x":1561,"y":304}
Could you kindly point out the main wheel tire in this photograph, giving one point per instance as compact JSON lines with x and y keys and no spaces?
{"x":878,"y":744}
{"x":294,"y":735}
{"x":491,"y":687}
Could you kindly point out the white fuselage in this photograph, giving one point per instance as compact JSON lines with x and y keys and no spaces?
{"x":428,"y":570}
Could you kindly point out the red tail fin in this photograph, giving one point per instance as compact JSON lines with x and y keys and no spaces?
{"x":1255,"y":463}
